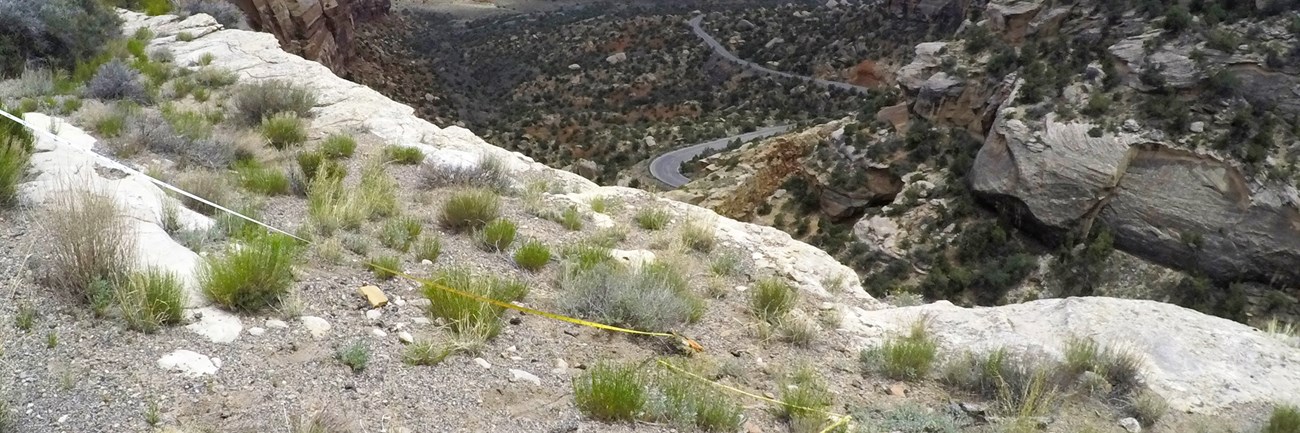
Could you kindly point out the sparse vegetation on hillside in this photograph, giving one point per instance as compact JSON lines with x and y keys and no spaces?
{"x":254,"y":276}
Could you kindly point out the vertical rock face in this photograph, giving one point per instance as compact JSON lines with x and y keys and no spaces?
{"x":320,"y":30}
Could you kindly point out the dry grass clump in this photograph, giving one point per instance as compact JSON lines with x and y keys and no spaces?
{"x":699,"y":236}
{"x":773,"y":299}
{"x":653,"y":218}
{"x":261,"y":100}
{"x":908,"y":357}
{"x":488,"y":173}
{"x":91,"y":243}
{"x":470,"y":209}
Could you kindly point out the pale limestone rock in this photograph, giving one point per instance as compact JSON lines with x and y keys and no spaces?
{"x":634,"y":259}
{"x":188,"y":363}
{"x":1198,"y":363}
{"x":216,"y":325}
{"x":524,"y":376}
{"x":318,"y":327}
{"x":67,"y":164}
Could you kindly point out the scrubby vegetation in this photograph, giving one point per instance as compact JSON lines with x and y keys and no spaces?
{"x":651,"y":297}
{"x":254,"y":276}
{"x":906,"y":357}
{"x":15,"y":151}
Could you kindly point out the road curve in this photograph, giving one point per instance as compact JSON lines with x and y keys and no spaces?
{"x":668,"y":167}
{"x":722,"y":51}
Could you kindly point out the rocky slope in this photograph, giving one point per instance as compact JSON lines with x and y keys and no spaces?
{"x":258,"y":372}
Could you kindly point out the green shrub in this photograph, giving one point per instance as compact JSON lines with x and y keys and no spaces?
{"x":470,"y":209}
{"x":385,"y":267}
{"x":404,"y":155}
{"x":497,"y":235}
{"x":909,"y":357}
{"x":773,"y":299}
{"x":532,"y":255}
{"x":151,"y":299}
{"x":283,"y":130}
{"x":602,"y":204}
{"x":429,"y":249}
{"x":210,"y":77}
{"x":399,"y":233}
{"x":191,"y":125}
{"x":253,"y":276}
{"x":355,"y":356}
{"x":1285,"y":419}
{"x":725,"y":264}
{"x":262,"y":180}
{"x":652,"y":218}
{"x":654,"y":297}
{"x":914,"y":418}
{"x":15,"y":153}
{"x":91,"y":244}
{"x":571,"y":219}
{"x":59,"y":33}
{"x":610,"y":392}
{"x":356,"y":244}
{"x":257,"y":101}
{"x":338,"y":146}
{"x":309,"y":164}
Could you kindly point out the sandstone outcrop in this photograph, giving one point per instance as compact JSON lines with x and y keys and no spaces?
{"x":321,"y":30}
{"x":1181,"y":209}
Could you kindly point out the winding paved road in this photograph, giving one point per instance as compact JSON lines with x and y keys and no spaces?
{"x":722,"y":51}
{"x":668,"y":167}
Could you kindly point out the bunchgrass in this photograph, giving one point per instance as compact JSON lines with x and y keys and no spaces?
{"x":652,"y":297}
{"x":1147,"y":407}
{"x":571,"y":219}
{"x":1285,"y":419}
{"x":261,"y":179}
{"x":805,"y":395}
{"x":404,"y":155}
{"x":489,"y":173}
{"x":91,"y":244}
{"x":772,"y":300}
{"x":602,"y":204}
{"x":253,"y":276}
{"x":25,"y":319}
{"x":425,"y":353}
{"x":15,"y":153}
{"x":724,"y":264}
{"x":1121,"y":368}
{"x":699,"y":236}
{"x":356,"y":356}
{"x":400,"y":233}
{"x":151,"y":299}
{"x":586,"y":255}
{"x":907,"y":357}
{"x":532,"y":255}
{"x":257,"y":101}
{"x":283,"y":130}
{"x":610,"y":392}
{"x":471,"y":321}
{"x":497,"y":235}
{"x":338,"y":146}
{"x":210,"y":185}
{"x":429,"y":248}
{"x":385,"y":267}
{"x":652,"y":218}
{"x":470,"y":209}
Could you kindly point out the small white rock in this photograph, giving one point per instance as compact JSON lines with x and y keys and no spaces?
{"x":421,"y":321}
{"x":188,"y":363}
{"x":524,"y":376}
{"x":378,"y":333}
{"x":1131,"y":425}
{"x":482,"y":363}
{"x":255,"y":331}
{"x":318,"y":327}
{"x":216,"y":325}
{"x":216,"y":361}
{"x":374,"y":315}
{"x":426,"y":262}
{"x":561,"y":367}
{"x":742,"y":288}
{"x":62,"y":419}
{"x":398,"y":301}
{"x":405,"y":337}
{"x":276,"y":324}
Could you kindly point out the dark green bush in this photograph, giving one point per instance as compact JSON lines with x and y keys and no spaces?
{"x":58,"y":32}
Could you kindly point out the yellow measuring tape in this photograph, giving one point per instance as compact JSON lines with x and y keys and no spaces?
{"x":840,"y":420}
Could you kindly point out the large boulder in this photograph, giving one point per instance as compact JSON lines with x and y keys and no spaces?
{"x":1012,"y":19}
{"x":321,"y":30}
{"x":1199,"y":363}
{"x":1171,"y":61}
{"x":1184,"y":210}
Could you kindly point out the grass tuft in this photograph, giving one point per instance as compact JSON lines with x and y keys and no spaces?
{"x":385,"y":267}
{"x":699,"y":236}
{"x":470,"y":209}
{"x":404,"y":155}
{"x":533,"y":255}
{"x":1285,"y":419}
{"x":257,"y":101}
{"x":429,"y":249}
{"x":909,"y":357}
{"x":25,"y":319}
{"x":653,"y":218}
{"x":253,"y":276}
{"x":399,"y":233}
{"x":489,"y":173}
{"x":151,"y":299}
{"x":473,"y":322}
{"x":260,"y":179}
{"x":283,"y":130}
{"x":497,"y":235}
{"x":610,"y":392}
{"x":1147,"y":407}
{"x":773,"y":299}
{"x":91,"y":244}
{"x":805,"y":395}
{"x":339,"y":146}
{"x":355,"y":356}
{"x":425,"y":353}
